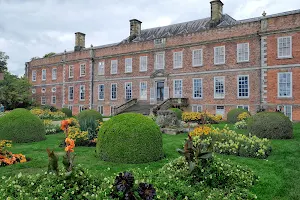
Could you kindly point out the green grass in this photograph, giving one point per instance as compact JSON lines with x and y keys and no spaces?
{"x":279,"y":174}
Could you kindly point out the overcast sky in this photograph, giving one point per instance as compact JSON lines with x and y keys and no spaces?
{"x":30,"y":28}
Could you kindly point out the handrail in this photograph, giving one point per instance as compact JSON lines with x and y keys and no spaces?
{"x":124,"y":106}
{"x":156,"y":108}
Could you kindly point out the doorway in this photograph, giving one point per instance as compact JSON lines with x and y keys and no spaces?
{"x":160,"y":85}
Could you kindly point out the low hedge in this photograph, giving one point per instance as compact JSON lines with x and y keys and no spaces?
{"x":232,"y":115}
{"x":130,"y":138}
{"x":21,"y":126}
{"x":67,"y":111}
{"x":272,"y":125}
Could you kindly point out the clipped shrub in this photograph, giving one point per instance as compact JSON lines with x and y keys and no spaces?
{"x":272,"y":125}
{"x":130,"y":138}
{"x":232,"y":115}
{"x":21,"y":126}
{"x":178,"y":112}
{"x":67,"y":112}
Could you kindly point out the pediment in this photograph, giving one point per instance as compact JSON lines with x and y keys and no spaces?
{"x":159,"y":73}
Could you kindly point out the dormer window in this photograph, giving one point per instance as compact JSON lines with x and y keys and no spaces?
{"x":159,"y":41}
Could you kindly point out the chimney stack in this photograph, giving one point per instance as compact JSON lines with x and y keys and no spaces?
{"x":216,"y":12}
{"x":79,"y":41}
{"x":135,"y":28}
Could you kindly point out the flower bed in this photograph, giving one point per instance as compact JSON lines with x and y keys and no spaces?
{"x":229,"y":142}
{"x":201,"y":117}
{"x":7,"y":157}
{"x":47,"y":114}
{"x":50,"y":127}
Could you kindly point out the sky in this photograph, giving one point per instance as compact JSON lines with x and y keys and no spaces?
{"x":30,"y":28}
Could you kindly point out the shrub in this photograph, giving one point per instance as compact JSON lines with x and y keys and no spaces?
{"x":67,"y":112}
{"x":89,"y":121}
{"x":243,"y":116}
{"x":130,"y":138}
{"x":229,"y":142}
{"x":49,"y":107}
{"x":232,"y":115}
{"x":272,"y":125}
{"x":20,"y":126}
{"x":201,"y":117}
{"x":240,"y":125}
{"x":178,"y":112}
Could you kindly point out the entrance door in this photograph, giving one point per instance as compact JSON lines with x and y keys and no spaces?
{"x":160,"y":90}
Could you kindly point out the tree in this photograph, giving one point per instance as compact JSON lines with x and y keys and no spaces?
{"x":49,"y":54}
{"x":14,"y":91}
{"x":3,"y":61}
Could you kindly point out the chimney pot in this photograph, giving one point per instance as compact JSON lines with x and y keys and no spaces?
{"x":79,"y":41}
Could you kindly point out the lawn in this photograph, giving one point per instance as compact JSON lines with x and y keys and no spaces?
{"x":279,"y":174}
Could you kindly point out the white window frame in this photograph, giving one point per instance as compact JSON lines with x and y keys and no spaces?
{"x":278,"y":47}
{"x":43,"y":98}
{"x":143,"y":63}
{"x":82,"y":70}
{"x":197,"y":108}
{"x":291,"y":84}
{"x":80,"y":107}
{"x":113,"y":66}
{"x":70,"y":107}
{"x":242,"y":52}
{"x":156,"y":59}
{"x":33,"y":91}
{"x":111,"y":92}
{"x":284,"y":111}
{"x":174,"y":88}
{"x":53,"y":89}
{"x":177,"y":59}
{"x":33,"y":75}
{"x":221,"y":96}
{"x":81,"y":91}
{"x":220,"y":109}
{"x":201,"y":93}
{"x":111,"y":108}
{"x":99,"y":91}
{"x":128,"y":65}
{"x":217,"y":52}
{"x":101,"y":68}
{"x":43,"y":90}
{"x":69,"y":94}
{"x":142,"y":97}
{"x":44,"y":74}
{"x":243,"y":107}
{"x":200,"y":61}
{"x":238,"y":94}
{"x":53,"y":97}
{"x":125,"y":90}
{"x":54,"y":73}
{"x":71,"y":69}
{"x":101,"y":109}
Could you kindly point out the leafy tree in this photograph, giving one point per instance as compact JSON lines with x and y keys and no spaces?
{"x":49,"y":54}
{"x":3,"y":61}
{"x":14,"y":91}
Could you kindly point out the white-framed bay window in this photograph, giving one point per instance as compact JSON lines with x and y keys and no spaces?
{"x":177,"y":59}
{"x":243,"y":52}
{"x":197,"y":88}
{"x":128,"y":65}
{"x":113,"y":66}
{"x":284,"y":47}
{"x":219,"y":55}
{"x":159,"y":60}
{"x":143,"y":63}
{"x":101,"y":69}
{"x":219,"y":87}
{"x":285,"y":84}
{"x":143,"y":90}
{"x":243,"y":86}
{"x":177,"y":88}
{"x":197,"y":57}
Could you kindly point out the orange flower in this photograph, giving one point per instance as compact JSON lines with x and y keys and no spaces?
{"x":70,"y":144}
{"x":64,"y":124}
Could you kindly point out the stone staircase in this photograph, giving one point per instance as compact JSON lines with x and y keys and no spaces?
{"x":140,"y":107}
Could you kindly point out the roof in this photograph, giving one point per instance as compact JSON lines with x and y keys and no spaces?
{"x":180,"y":28}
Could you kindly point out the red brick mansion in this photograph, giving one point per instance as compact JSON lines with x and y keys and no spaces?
{"x":216,"y":63}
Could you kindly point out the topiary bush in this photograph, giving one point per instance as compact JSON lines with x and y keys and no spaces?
{"x":21,"y":126}
{"x":232,"y":115}
{"x":272,"y":125}
{"x":130,"y":138}
{"x":67,"y":111}
{"x":178,"y":112}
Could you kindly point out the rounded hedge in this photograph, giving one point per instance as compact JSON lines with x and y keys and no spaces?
{"x":88,"y":114}
{"x":21,"y":126}
{"x":178,"y":112}
{"x":271,"y":125}
{"x":130,"y":138}
{"x":232,"y":115}
{"x":67,"y":111}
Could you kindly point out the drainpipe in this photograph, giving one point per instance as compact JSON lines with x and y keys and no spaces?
{"x":92,"y":55}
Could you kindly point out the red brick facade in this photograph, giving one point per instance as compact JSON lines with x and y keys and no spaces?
{"x":261,"y":69}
